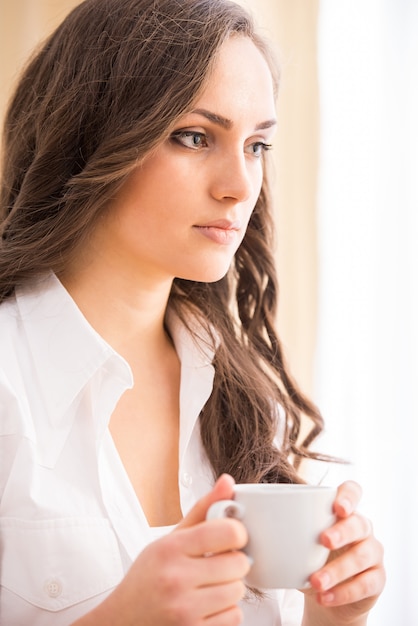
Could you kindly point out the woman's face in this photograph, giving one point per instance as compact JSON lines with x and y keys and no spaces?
{"x":184,"y":212}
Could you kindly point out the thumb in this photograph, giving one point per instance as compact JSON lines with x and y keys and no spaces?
{"x":223,"y":489}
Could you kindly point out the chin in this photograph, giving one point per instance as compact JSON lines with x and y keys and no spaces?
{"x":211,"y":275}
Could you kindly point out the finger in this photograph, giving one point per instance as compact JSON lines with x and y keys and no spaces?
{"x":346,"y":531}
{"x":222,"y":568}
{"x":213,"y":537}
{"x":363,"y":556}
{"x":197,"y":605}
{"x":218,"y":598}
{"x":347,"y":499}
{"x":223,"y":489}
{"x":367,"y":585}
{"x":231,"y":617}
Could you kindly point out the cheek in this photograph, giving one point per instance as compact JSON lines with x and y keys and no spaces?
{"x":258,"y":179}
{"x":249,"y":209}
{"x":253,"y":201}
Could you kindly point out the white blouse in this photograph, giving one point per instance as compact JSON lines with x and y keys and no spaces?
{"x":70,"y":522}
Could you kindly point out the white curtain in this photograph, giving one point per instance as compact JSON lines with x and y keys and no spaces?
{"x":367,"y":349}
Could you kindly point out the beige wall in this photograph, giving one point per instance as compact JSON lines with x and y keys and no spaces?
{"x":23,"y":23}
{"x":292,"y":26}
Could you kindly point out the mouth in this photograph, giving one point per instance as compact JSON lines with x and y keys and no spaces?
{"x":223,"y":232}
{"x":222,"y":225}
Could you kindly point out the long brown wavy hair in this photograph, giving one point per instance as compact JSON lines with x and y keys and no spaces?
{"x":104,"y":90}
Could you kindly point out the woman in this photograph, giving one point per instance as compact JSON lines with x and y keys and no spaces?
{"x":140,"y":370}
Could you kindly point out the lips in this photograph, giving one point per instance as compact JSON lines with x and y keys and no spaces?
{"x":222,"y":224}
{"x":222,"y":232}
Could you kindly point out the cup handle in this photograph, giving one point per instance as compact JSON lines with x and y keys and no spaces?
{"x":225,"y":508}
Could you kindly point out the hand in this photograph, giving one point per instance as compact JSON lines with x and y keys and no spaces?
{"x":192,"y":576}
{"x":349,"y":584}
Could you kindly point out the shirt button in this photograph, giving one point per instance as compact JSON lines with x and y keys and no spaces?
{"x":53,"y":588}
{"x":186,"y":480}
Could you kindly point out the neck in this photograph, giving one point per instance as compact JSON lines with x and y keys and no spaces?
{"x":128,"y":314}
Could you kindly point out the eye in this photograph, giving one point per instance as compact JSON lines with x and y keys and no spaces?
{"x":258,"y":147}
{"x":190,"y":139}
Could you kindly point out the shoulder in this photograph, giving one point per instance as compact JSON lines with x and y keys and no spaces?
{"x":8,"y":312}
{"x":15,"y":416}
{"x":13,"y":425}
{"x":13,"y":356}
{"x":11,"y":335}
{"x":13,"y":403}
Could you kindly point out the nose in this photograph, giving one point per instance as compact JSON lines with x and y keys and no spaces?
{"x":233,"y":178}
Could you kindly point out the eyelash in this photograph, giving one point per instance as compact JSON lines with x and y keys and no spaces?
{"x":265,"y":147}
{"x":180,"y":135}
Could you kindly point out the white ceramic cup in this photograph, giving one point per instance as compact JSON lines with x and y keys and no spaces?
{"x":284,"y":523}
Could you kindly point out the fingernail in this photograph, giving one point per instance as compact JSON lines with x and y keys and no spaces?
{"x":334,"y":538}
{"x":324,"y":580}
{"x":327,"y":598}
{"x":346,"y":505}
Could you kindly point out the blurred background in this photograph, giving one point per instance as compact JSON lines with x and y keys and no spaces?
{"x":346,"y":194}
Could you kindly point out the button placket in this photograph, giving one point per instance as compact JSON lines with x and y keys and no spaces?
{"x":186,"y":480}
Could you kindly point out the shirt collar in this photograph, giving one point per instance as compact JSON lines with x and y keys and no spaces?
{"x":65,"y":349}
{"x":195,"y":345}
{"x":67,"y":353}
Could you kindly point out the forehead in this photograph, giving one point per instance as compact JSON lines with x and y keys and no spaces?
{"x":241,"y":82}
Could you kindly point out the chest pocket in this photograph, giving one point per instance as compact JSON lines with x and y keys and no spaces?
{"x":54,"y":564}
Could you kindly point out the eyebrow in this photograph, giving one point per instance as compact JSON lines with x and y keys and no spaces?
{"x":228,"y":124}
